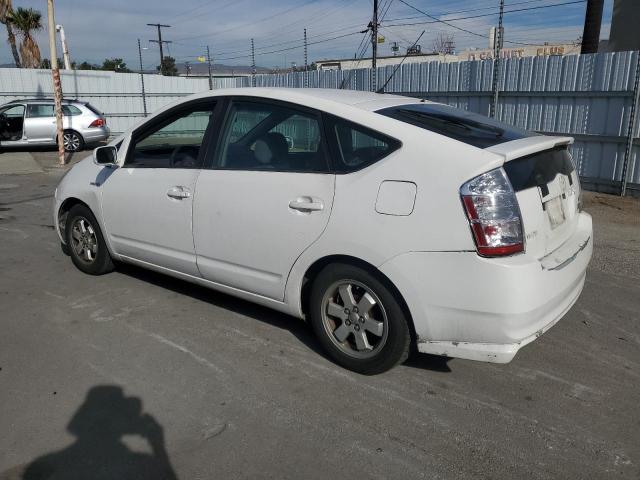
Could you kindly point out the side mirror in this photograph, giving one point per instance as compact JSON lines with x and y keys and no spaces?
{"x":106,"y":155}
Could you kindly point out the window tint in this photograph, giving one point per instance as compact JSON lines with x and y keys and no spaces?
{"x":175,"y":143}
{"x":539,"y":169}
{"x":467,"y":127}
{"x":271,"y":137}
{"x":357,"y":146}
{"x":93,"y":109}
{"x":17,"y":111}
{"x":71,"y":110}
{"x":39,"y":111}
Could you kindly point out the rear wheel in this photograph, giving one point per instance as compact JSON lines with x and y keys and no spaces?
{"x":358,"y":320}
{"x":73,"y":141}
{"x":86,"y":244}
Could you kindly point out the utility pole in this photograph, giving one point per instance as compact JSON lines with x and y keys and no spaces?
{"x":496,"y":63}
{"x":592,"y":23}
{"x":57,"y":86}
{"x":160,"y":42}
{"x":209,"y":64}
{"x":374,"y":48}
{"x":65,"y":47}
{"x":306,"y":60}
{"x":253,"y":64}
{"x":144,"y":95}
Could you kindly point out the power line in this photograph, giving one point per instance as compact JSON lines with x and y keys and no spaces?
{"x":294,"y":48}
{"x":249,"y":23}
{"x":446,"y":22}
{"x":468,"y":10}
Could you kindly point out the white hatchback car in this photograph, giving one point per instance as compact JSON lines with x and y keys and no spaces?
{"x":388,"y":222}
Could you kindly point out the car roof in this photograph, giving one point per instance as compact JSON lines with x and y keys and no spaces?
{"x":369,"y":101}
{"x":44,"y":100}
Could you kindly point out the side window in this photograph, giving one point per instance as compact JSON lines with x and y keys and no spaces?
{"x":40,"y":111}
{"x":17,"y":111}
{"x":174,"y":143}
{"x":269,"y":136}
{"x":356,"y":147}
{"x":71,"y":110}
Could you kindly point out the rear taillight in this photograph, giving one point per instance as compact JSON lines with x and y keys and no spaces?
{"x":98,"y":122}
{"x":494,"y":216}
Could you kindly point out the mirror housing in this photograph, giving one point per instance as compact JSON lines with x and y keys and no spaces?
{"x":105,"y":155}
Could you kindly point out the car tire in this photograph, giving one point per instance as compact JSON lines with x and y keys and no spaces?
{"x":73,"y":141}
{"x":87,"y":247}
{"x":358,"y":320}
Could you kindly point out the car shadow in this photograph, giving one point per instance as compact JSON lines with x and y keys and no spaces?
{"x":297,"y":327}
{"x":99,"y":450}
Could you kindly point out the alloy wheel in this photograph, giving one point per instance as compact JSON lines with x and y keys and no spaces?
{"x":84,"y":240}
{"x":354,"y":319}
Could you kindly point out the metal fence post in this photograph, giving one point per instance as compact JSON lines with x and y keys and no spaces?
{"x":628,"y":152}
{"x":144,"y":95}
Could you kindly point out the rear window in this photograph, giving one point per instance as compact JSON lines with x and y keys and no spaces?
{"x":539,"y":169}
{"x":466,"y":127}
{"x":71,"y":110}
{"x":356,"y":147}
{"x":93,"y":109}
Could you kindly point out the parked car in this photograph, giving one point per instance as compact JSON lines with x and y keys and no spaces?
{"x":386,"y":221}
{"x":33,"y":122}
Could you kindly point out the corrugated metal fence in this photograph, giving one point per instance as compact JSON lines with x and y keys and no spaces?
{"x":589,"y":97}
{"x":118,"y":95}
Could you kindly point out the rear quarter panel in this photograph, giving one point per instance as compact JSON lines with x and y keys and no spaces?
{"x":436,"y":164}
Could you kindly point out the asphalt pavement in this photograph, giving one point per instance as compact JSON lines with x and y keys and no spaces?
{"x":138,"y":375}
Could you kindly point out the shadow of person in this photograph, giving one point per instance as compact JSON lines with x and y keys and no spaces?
{"x":99,"y":452}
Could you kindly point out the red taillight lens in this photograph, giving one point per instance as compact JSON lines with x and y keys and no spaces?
{"x":494,"y":216}
{"x":99,"y":122}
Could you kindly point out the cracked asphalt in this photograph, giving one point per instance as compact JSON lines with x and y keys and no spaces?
{"x":138,"y":375}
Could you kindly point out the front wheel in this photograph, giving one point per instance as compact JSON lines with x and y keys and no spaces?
{"x":358,"y":320}
{"x":86,"y":244}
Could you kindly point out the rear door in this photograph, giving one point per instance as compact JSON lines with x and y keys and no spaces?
{"x":266,"y":197}
{"x":40,"y":123}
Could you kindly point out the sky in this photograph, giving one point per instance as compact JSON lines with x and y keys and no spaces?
{"x":97,"y":29}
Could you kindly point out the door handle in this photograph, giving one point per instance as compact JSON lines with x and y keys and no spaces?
{"x":306,"y":204}
{"x":178,"y":193}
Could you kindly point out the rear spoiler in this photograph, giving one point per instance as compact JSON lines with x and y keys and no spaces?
{"x":528,"y":145}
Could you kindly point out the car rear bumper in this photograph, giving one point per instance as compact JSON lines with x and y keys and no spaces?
{"x":99,"y":134}
{"x":487,"y":309}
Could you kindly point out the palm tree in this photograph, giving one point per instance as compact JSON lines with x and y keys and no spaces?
{"x":5,"y":11}
{"x":28,"y":20}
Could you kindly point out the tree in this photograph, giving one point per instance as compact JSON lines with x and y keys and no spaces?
{"x":168,"y":67}
{"x":87,"y":66}
{"x":115,"y":65}
{"x":46,"y":63}
{"x":444,"y":44}
{"x":27,"y":21}
{"x":6,"y":8}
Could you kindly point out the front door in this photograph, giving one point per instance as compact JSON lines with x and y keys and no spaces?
{"x":12,"y":125}
{"x":40,"y":124}
{"x":266,"y":199}
{"x":147,"y":203}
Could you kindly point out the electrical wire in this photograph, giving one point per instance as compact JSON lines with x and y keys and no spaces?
{"x":446,"y":22}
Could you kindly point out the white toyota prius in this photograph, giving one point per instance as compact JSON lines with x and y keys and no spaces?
{"x":387,"y":222}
